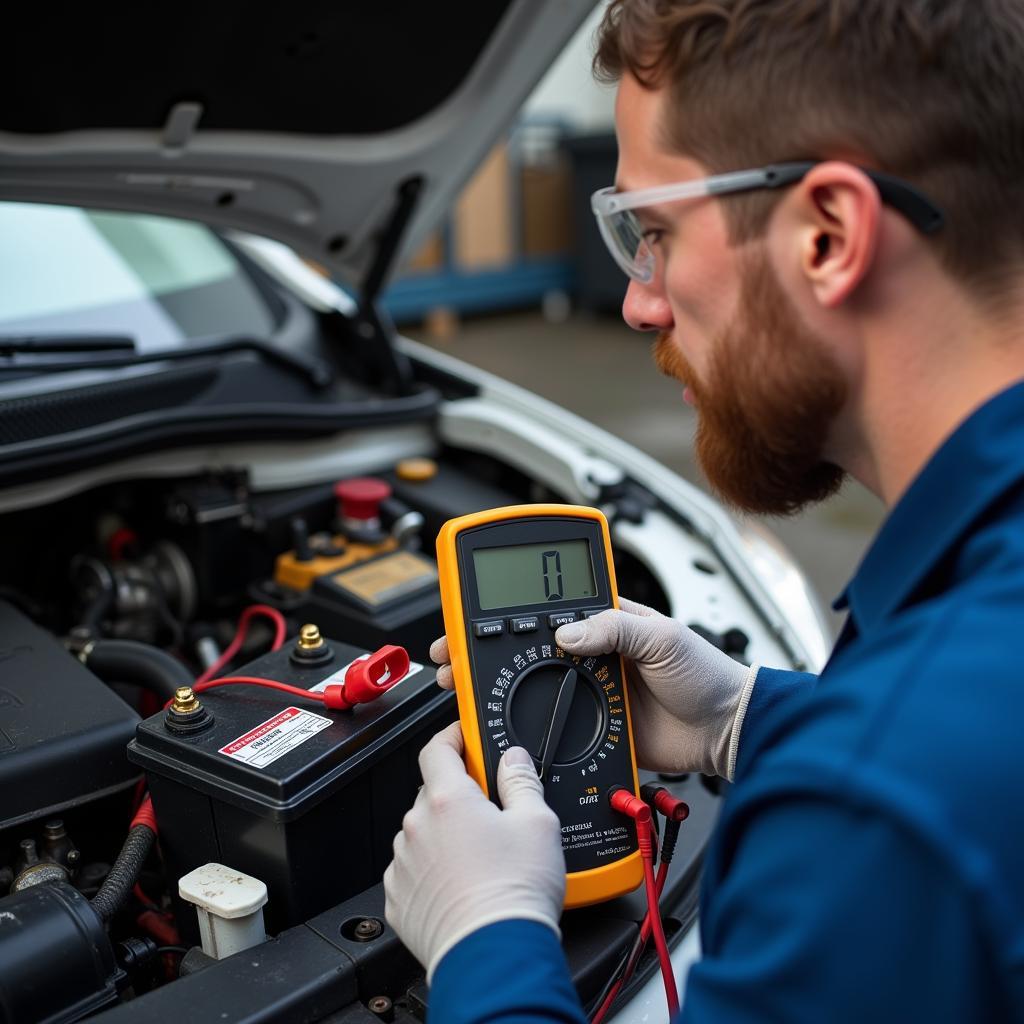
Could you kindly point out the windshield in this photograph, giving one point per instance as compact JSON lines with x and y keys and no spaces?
{"x":160,"y":280}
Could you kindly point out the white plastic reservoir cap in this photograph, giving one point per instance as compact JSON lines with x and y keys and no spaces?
{"x":230,"y":908}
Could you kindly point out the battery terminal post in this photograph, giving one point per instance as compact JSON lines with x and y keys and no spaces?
{"x":310,"y":638}
{"x":310,"y":647}
{"x":185,"y":713}
{"x":185,"y":700}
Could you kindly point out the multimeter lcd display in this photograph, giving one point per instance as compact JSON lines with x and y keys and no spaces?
{"x":532,"y":574}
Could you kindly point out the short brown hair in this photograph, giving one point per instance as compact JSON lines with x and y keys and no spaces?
{"x":929,"y":90}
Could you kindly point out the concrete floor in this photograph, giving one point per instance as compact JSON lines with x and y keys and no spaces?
{"x":602,"y":371}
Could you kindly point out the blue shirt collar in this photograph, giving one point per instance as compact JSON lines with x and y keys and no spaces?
{"x":978,"y":463}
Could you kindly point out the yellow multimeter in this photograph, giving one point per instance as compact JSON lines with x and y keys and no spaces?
{"x":509,"y":578}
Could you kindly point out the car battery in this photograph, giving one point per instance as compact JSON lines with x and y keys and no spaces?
{"x":305,"y":798}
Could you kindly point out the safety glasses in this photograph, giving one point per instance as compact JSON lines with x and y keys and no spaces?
{"x":625,"y":235}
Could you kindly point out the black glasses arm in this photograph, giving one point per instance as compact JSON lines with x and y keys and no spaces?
{"x":901,"y":196}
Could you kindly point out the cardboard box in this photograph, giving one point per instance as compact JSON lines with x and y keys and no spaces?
{"x":483,"y":231}
{"x":547,"y":209}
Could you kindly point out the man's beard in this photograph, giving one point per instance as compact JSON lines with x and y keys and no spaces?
{"x":769,"y":398}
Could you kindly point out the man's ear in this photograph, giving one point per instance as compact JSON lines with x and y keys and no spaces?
{"x":839,"y":214}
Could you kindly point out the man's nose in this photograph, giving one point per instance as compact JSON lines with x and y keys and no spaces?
{"x":645,"y":308}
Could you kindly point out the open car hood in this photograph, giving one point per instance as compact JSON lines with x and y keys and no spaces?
{"x":344,"y":130}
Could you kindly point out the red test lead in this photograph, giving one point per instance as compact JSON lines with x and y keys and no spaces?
{"x":624,"y":801}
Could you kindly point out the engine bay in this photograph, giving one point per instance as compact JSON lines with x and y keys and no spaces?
{"x":114,"y":602}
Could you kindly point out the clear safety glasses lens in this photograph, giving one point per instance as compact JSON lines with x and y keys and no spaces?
{"x":624,"y":237}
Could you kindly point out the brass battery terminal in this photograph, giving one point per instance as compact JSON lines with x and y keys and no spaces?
{"x":185,"y":713}
{"x":310,"y":647}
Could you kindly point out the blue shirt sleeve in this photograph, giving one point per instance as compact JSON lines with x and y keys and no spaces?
{"x":511,"y":972}
{"x":823,"y":912}
{"x":772,"y":687}
{"x":773,"y":690}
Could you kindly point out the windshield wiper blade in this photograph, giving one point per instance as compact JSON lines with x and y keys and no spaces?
{"x":318,"y":372}
{"x":46,"y":343}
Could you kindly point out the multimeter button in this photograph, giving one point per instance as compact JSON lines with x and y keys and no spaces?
{"x":557,"y":619}
{"x":591,"y":612}
{"x":525,"y":625}
{"x":492,"y":628}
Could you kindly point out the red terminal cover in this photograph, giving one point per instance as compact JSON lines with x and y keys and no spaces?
{"x":367,"y":679}
{"x":360,"y":497}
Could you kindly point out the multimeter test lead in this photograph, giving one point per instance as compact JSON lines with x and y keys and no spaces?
{"x":675,"y":812}
{"x":623,"y":801}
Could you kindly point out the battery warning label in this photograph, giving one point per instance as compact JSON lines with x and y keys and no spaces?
{"x":275,"y":737}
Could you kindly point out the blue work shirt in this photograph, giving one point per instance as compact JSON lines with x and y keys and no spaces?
{"x":868,"y":863}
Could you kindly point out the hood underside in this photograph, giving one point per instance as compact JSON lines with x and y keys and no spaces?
{"x":317,"y":124}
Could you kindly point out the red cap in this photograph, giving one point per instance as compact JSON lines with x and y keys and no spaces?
{"x":367,"y":679}
{"x":359,"y":497}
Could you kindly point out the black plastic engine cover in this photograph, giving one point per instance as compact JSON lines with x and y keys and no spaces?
{"x":63,"y":732}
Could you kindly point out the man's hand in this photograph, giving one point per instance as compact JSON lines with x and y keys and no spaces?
{"x":686,"y":698}
{"x":461,"y":863}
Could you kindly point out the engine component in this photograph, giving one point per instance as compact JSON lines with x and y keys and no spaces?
{"x":36,"y":871}
{"x":307,"y":800}
{"x":56,"y":863}
{"x":359,"y":500}
{"x":361,"y":592}
{"x":322,"y":555}
{"x":56,"y":962}
{"x":141,"y":596}
{"x":229,"y":905}
{"x":63,"y":733}
{"x":441,"y":491}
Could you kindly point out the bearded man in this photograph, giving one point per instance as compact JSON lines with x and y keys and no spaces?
{"x":820,"y":206}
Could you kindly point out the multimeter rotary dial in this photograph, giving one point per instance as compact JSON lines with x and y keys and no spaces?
{"x":556,"y":710}
{"x":566,"y":711}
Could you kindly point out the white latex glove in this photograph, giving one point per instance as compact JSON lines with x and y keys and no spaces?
{"x":687,"y":699}
{"x":462,"y":863}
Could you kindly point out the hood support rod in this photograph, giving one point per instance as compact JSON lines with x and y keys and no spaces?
{"x":391,"y":238}
{"x":373,"y":324}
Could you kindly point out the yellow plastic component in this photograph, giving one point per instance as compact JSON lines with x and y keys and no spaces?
{"x":582,"y":888}
{"x":416,"y":470}
{"x":290,"y":572}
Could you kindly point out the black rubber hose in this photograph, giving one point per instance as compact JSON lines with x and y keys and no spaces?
{"x":128,"y":661}
{"x":125,"y":872}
